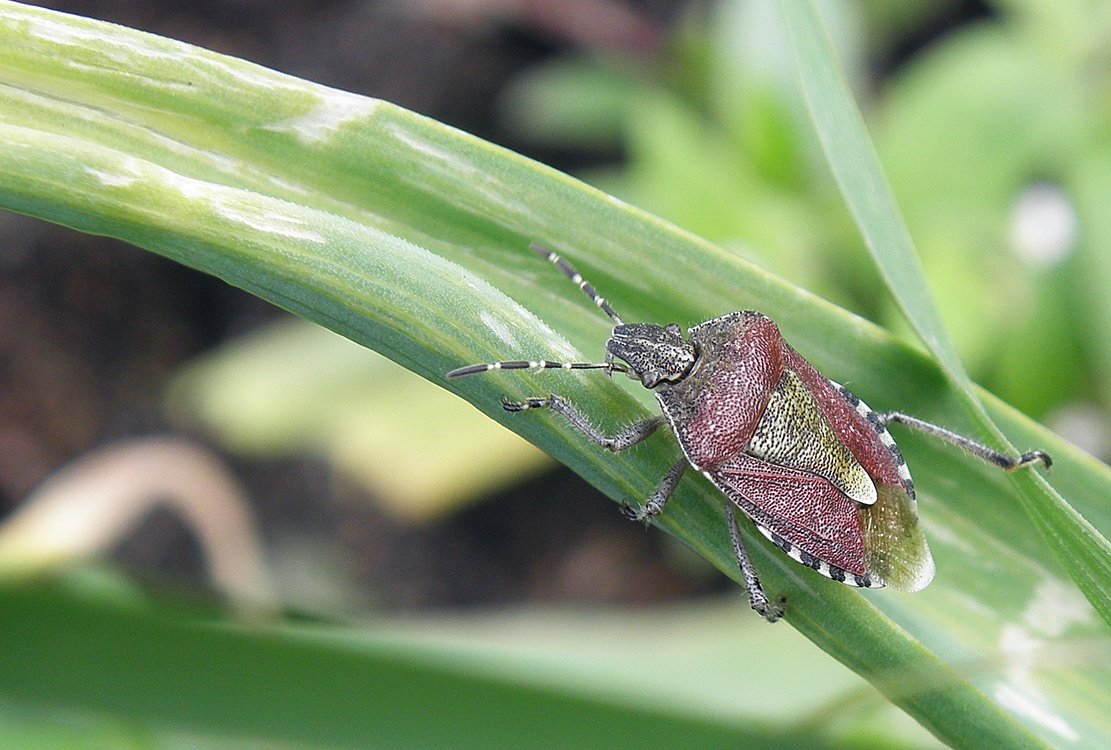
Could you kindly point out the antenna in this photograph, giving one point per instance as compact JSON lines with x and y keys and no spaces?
{"x":462,"y":372}
{"x":570,"y":272}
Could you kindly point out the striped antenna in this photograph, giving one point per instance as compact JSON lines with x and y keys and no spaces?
{"x":570,"y":272}
{"x":462,"y":372}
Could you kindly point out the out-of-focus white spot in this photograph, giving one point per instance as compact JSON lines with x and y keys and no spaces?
{"x":1085,"y":425}
{"x":1029,"y":706}
{"x":1043,"y":225}
{"x":1055,"y":606}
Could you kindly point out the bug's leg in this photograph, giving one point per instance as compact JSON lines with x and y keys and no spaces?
{"x":992,"y":456}
{"x":655,"y":503}
{"x":629,"y":435}
{"x":770,"y":610}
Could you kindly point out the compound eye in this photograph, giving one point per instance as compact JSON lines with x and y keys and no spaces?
{"x":673,"y":328}
{"x":650,"y":379}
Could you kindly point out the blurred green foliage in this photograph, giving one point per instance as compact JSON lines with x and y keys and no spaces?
{"x":989,"y":134}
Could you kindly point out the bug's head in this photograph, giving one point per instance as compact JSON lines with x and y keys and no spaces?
{"x":655,"y":354}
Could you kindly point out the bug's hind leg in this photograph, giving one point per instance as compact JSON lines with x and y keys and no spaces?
{"x":768,"y":609}
{"x":968,"y":445}
{"x":628,"y":436}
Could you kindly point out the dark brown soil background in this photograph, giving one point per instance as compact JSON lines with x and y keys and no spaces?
{"x":91,"y":328}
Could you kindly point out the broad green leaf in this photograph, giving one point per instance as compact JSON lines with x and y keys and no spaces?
{"x":319,"y":685}
{"x":411,"y":238}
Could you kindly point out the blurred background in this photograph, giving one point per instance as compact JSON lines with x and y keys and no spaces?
{"x":992,"y":119}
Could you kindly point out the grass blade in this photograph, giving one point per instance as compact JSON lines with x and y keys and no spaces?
{"x":1085,"y":553}
{"x":855,"y":166}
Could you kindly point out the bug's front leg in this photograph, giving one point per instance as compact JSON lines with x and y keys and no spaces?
{"x":654,"y":505}
{"x":628,"y":436}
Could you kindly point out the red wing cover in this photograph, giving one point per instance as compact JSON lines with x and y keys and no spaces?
{"x":803,"y":508}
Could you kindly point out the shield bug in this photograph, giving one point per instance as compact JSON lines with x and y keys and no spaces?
{"x":811,"y":465}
